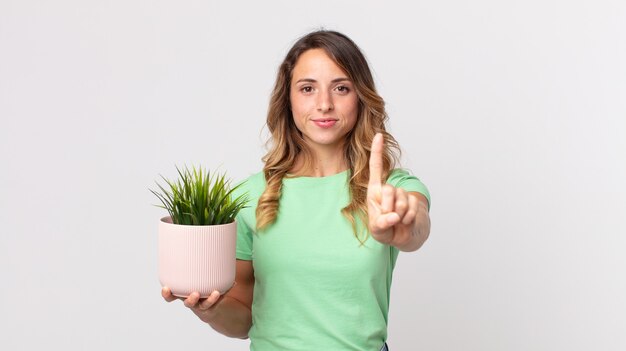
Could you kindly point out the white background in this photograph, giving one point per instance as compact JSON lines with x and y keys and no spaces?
{"x":512,"y":112}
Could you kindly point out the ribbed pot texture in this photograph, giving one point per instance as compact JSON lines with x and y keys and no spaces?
{"x":196,"y":258}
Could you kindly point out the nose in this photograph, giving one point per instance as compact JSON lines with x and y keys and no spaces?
{"x":324,"y":101}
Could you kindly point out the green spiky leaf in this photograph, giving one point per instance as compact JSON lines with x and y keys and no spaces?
{"x":200,"y":197}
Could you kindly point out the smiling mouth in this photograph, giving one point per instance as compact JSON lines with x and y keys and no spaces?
{"x":325,"y":122}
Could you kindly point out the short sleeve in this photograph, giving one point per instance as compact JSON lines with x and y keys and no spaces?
{"x":244,"y":239}
{"x":400,"y":178}
{"x":243,"y":219}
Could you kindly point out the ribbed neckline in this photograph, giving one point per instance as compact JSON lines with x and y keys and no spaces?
{"x":341,"y":176}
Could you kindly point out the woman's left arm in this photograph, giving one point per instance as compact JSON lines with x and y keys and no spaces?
{"x":419,"y":225}
{"x":401,"y":219}
{"x":395,"y":217}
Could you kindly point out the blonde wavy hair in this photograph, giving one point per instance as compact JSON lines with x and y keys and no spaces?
{"x":286,"y":143}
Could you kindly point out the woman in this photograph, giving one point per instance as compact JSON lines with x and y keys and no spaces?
{"x":328,"y":215}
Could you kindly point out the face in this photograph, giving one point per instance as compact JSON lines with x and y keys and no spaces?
{"x":324,"y":103}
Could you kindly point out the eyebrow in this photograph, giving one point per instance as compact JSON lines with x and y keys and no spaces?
{"x":311,"y":80}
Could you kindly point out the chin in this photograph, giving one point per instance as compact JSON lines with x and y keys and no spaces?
{"x":326,"y":140}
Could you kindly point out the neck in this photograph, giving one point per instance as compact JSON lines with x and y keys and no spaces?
{"x":325,"y":162}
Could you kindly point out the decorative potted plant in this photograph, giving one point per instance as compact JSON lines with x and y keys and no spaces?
{"x":197,"y":240}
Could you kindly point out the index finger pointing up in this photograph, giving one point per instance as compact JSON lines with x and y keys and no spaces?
{"x":376,"y":161}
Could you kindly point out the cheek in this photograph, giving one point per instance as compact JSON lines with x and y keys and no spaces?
{"x":297,"y":105}
{"x":297,"y":112}
{"x":353,"y":111}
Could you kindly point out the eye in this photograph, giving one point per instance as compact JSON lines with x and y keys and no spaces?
{"x":343,"y":89}
{"x":306,"y":89}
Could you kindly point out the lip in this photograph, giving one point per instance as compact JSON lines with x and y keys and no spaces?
{"x":325,"y":122}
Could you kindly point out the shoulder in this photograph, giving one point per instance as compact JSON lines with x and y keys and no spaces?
{"x":253,"y":186}
{"x":402,"y":178}
{"x":397,"y":176}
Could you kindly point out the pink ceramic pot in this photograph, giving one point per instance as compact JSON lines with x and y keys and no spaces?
{"x":196,"y":258}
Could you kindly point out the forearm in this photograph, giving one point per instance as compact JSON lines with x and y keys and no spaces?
{"x":229,"y":317}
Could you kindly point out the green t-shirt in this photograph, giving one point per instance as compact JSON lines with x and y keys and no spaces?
{"x":316,"y":287}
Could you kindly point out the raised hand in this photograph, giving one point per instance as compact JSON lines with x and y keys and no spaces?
{"x":392,"y":212}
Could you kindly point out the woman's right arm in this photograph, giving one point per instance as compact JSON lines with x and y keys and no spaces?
{"x":229,"y":314}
